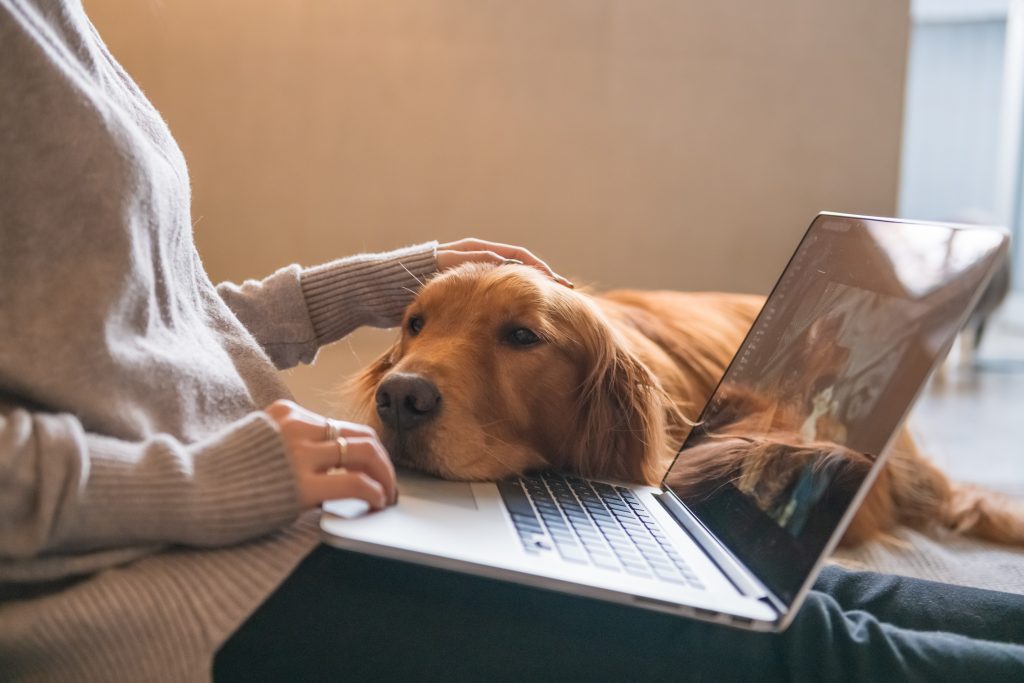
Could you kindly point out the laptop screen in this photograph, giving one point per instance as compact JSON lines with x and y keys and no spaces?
{"x":863,"y":311}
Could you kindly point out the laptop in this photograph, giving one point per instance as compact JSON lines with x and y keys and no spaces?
{"x":864,"y":310}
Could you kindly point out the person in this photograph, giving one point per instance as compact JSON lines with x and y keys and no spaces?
{"x":158,"y":491}
{"x":148,"y":451}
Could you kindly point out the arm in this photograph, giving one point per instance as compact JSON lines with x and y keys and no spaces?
{"x":295,"y":311}
{"x":63,"y":489}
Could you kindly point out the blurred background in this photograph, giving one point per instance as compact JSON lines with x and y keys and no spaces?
{"x":677,"y":144}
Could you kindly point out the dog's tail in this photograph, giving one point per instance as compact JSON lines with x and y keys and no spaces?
{"x":975,"y":511}
{"x":923,"y":495}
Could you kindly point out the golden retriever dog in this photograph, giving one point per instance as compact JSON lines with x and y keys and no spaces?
{"x":499,"y":371}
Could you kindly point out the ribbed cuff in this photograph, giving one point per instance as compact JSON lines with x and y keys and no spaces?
{"x":368,"y":289}
{"x":233,"y":486}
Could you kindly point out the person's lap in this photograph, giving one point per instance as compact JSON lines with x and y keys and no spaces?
{"x":926,"y":605}
{"x":342,"y":614}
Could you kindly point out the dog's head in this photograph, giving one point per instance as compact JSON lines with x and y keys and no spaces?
{"x":500,"y":371}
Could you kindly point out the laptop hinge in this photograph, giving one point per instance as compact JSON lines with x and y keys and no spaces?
{"x":741,"y":577}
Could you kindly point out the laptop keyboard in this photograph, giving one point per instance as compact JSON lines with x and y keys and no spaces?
{"x":592,"y":523}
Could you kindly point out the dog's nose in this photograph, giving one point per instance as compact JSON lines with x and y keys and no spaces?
{"x":406,"y":400}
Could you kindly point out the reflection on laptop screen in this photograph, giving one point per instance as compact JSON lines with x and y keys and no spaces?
{"x":823,"y":380}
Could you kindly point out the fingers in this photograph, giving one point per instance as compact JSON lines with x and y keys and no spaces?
{"x":508,"y":251}
{"x":362,"y":454}
{"x":365,"y":459}
{"x":368,"y":456}
{"x":472,"y":249}
{"x":313,"y":457}
{"x":352,"y":429}
{"x":299,"y":422}
{"x":295,"y":422}
{"x":315,"y":489}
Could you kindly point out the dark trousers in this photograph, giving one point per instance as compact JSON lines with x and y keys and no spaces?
{"x":345,"y":616}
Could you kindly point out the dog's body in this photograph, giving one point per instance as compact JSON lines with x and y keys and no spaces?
{"x":500,"y":371}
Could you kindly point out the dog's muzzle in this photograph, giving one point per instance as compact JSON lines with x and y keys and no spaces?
{"x":407,"y":401}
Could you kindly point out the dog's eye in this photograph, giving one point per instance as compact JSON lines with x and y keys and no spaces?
{"x":415,"y":324}
{"x":522,"y":336}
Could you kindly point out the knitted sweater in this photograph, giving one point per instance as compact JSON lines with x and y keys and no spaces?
{"x":146,"y":504}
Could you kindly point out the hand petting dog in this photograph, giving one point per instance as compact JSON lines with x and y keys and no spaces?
{"x":472,"y":250}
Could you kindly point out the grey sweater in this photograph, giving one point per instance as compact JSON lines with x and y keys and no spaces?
{"x":146,"y":504}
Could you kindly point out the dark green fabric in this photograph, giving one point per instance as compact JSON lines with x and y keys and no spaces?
{"x":348,"y":616}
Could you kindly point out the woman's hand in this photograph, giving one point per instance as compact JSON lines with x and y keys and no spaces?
{"x":470,"y":249}
{"x":323,"y":468}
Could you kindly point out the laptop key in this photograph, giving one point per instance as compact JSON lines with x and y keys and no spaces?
{"x":637,"y":571}
{"x":670,"y":577}
{"x":620,"y":548}
{"x":519,"y":517}
{"x":626,"y":552}
{"x":527,"y":536}
{"x":599,"y":551}
{"x":655,"y":556}
{"x":630,"y":558}
{"x":515,"y":498}
{"x":645,"y":540}
{"x":573,"y":553}
{"x":617,"y":538}
{"x":606,"y":562}
{"x":663,"y":565}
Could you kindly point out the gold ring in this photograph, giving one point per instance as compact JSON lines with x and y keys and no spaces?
{"x":332,"y":431}
{"x":342,"y":449}
{"x":513,"y":262}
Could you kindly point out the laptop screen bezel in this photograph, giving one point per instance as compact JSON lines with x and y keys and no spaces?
{"x":787,"y":599}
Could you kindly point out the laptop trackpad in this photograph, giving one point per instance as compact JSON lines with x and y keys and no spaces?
{"x":413,"y":484}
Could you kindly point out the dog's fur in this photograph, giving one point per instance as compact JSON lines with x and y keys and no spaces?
{"x":611,"y":390}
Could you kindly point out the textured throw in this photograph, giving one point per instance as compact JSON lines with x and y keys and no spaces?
{"x":944,"y":557}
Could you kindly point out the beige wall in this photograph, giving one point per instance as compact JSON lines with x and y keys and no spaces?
{"x":646,"y":143}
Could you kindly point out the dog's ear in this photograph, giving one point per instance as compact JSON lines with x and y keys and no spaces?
{"x":619,"y":431}
{"x":361,"y":389}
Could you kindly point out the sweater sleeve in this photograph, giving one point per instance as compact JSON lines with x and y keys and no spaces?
{"x":63,"y":490}
{"x":295,"y":311}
